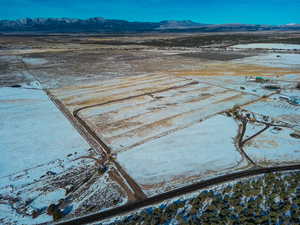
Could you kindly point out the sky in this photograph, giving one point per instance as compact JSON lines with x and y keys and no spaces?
{"x":208,"y":11}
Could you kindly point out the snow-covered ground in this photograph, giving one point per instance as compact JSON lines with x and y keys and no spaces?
{"x":127,"y":123}
{"x":102,"y":92}
{"x":33,"y":131}
{"x":277,"y":108}
{"x":61,"y":180}
{"x":268,"y":46}
{"x":291,"y":77}
{"x":160,"y":126}
{"x":273,"y":60}
{"x":34,"y":61}
{"x":274,"y":147}
{"x":238,"y":83}
{"x":163,"y":105}
{"x":197,"y":151}
{"x":36,"y":144}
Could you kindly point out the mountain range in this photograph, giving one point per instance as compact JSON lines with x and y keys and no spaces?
{"x":102,"y":25}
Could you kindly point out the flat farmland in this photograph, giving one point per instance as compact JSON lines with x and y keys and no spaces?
{"x":274,"y":147}
{"x":278,"y":108}
{"x":99,"y":125}
{"x":200,"y":151}
{"x":146,"y":120}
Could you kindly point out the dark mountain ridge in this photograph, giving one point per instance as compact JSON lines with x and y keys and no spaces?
{"x":102,"y":25}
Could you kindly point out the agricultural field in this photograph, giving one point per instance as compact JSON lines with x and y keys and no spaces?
{"x":34,"y":174}
{"x":92,"y":124}
{"x":172,"y":119}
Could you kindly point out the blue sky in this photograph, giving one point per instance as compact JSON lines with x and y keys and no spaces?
{"x":209,"y":11}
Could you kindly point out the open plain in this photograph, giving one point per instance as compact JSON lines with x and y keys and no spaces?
{"x":94,"y":122}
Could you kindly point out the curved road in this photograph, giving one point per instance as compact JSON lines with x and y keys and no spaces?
{"x":98,"y":216}
{"x":141,"y":199}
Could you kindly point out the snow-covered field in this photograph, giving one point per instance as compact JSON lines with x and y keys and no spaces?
{"x":124,"y":124}
{"x":160,"y":126}
{"x":155,"y":123}
{"x":273,"y":60}
{"x":278,"y":109}
{"x":129,"y":112}
{"x":140,"y":126}
{"x":76,"y":97}
{"x":33,"y":131}
{"x":34,"y":61}
{"x":60,"y":181}
{"x":197,"y":151}
{"x":238,"y":83}
{"x":274,"y":147}
{"x":37,"y":164}
{"x":268,"y":46}
{"x":291,"y":77}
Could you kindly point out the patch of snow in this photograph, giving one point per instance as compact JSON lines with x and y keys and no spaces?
{"x":127,"y":123}
{"x":272,"y":60}
{"x":34,"y":61}
{"x":277,"y":108}
{"x":268,"y":46}
{"x":9,"y":58}
{"x":45,"y":199}
{"x":37,"y":165}
{"x":290,"y":77}
{"x":274,"y":147}
{"x":33,"y":131}
{"x":238,"y":83}
{"x":253,"y":128}
{"x":195,"y":151}
{"x":130,"y":90}
{"x":34,"y":85}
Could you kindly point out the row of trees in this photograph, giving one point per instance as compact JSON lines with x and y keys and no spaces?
{"x":270,"y":199}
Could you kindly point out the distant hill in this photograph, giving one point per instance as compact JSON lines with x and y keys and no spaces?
{"x":74,"y":25}
{"x":101,"y":25}
{"x":184,"y":24}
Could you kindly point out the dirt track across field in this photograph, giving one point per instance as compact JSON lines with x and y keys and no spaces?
{"x":133,"y":191}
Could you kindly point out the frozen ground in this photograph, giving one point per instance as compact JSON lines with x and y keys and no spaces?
{"x":291,"y":77}
{"x":37,"y":165}
{"x":274,"y":147}
{"x":278,"y":109}
{"x":134,"y":112}
{"x":273,"y":60}
{"x":34,"y":61}
{"x":268,"y":46}
{"x":153,"y":123}
{"x":35,"y":140}
{"x":74,"y":184}
{"x":33,"y":131}
{"x":156,"y":123}
{"x":204,"y":148}
{"x":238,"y":83}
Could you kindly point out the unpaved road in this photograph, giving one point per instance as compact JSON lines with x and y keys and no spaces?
{"x":103,"y":150}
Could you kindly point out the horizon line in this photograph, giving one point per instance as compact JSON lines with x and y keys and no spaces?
{"x":142,"y":21}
